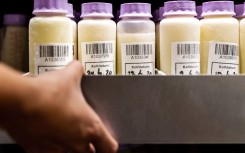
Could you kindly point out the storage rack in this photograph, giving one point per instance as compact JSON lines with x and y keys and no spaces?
{"x":163,"y":110}
{"x":170,"y":109}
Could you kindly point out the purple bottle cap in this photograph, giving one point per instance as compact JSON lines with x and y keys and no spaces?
{"x":155,"y":15}
{"x":239,"y":10}
{"x":50,"y":6}
{"x":218,"y":8}
{"x":70,"y":11}
{"x":14,"y":19}
{"x":136,"y":10}
{"x":199,"y":12}
{"x":161,"y":13}
{"x":96,"y":9}
{"x":180,"y":8}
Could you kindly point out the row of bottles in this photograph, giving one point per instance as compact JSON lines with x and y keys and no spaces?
{"x":178,"y":44}
{"x":217,"y":34}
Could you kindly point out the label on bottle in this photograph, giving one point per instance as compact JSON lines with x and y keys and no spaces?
{"x":51,"y":57}
{"x":223,"y":58}
{"x":185,"y":58}
{"x":138,"y":58}
{"x":98,"y":58}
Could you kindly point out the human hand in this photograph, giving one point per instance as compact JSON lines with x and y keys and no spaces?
{"x":57,"y":119}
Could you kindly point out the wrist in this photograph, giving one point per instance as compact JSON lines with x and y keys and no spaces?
{"x":15,"y":92}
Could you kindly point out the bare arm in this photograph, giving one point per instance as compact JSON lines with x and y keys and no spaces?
{"x":49,"y":113}
{"x":14,"y":89}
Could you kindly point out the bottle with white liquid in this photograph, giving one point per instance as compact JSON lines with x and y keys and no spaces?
{"x":97,"y":39}
{"x":180,"y":39}
{"x":15,"y":42}
{"x":219,"y":39}
{"x":136,"y":40}
{"x":51,"y":37}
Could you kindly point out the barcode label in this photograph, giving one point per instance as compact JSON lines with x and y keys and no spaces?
{"x":138,"y":58}
{"x":139,"y":50}
{"x":188,"y":49}
{"x":99,"y":48}
{"x":98,"y":57}
{"x":54,"y":51}
{"x":226,"y":49}
{"x":51,"y":57}
{"x":185,"y":58}
{"x":223,"y":58}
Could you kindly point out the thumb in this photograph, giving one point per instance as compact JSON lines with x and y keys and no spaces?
{"x":75,"y":70}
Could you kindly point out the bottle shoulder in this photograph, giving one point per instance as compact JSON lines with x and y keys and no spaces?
{"x":180,"y":20}
{"x":136,"y":26}
{"x":138,"y":21}
{"x":97,"y":22}
{"x":218,"y":20}
{"x":50,"y":19}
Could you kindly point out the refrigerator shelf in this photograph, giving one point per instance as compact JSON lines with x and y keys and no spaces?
{"x":170,"y":109}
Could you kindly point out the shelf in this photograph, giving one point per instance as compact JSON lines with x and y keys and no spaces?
{"x":170,"y":110}
{"x":5,"y":139}
{"x":166,"y":110}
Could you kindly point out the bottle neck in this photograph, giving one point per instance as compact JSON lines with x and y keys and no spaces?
{"x":179,"y":16}
{"x":217,"y":16}
{"x":96,"y":18}
{"x":135,"y":18}
{"x":50,"y":14}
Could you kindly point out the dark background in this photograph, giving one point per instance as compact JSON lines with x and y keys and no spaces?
{"x":26,"y":6}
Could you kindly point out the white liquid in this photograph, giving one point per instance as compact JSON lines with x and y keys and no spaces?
{"x":176,"y":29}
{"x":125,"y":38}
{"x":45,"y":31}
{"x":97,"y":31}
{"x":217,"y":29}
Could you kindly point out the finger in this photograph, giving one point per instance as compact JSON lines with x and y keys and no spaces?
{"x":91,"y":148}
{"x":75,"y":69}
{"x":103,"y":141}
{"x":98,"y":135}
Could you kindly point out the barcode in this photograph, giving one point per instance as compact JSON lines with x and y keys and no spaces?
{"x":226,"y":49}
{"x":102,"y":48}
{"x":188,"y":49}
{"x":54,"y":51}
{"x":142,"y":49}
